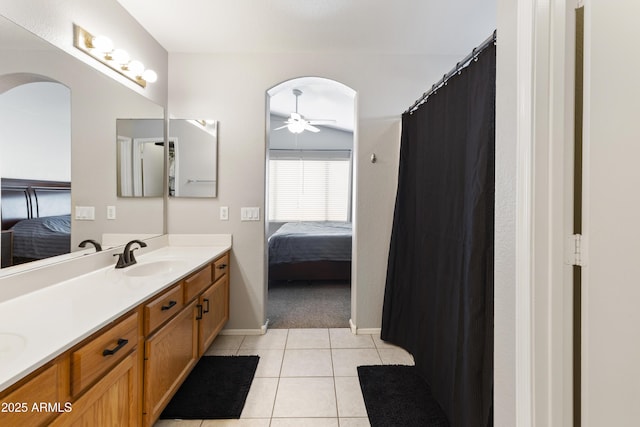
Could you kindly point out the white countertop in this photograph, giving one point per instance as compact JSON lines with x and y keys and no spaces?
{"x":38,"y":326}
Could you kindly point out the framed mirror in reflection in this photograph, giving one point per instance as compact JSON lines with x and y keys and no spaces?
{"x":140,"y":157}
{"x":193,"y":158}
{"x":67,"y":140}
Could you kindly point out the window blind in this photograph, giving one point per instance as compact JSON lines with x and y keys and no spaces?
{"x":309,"y":185}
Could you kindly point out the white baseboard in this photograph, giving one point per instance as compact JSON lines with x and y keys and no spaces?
{"x":241,"y":332}
{"x":263,"y":330}
{"x":363,"y":331}
{"x":368,"y":331}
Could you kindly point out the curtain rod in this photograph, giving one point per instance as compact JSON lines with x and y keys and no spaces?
{"x":459,"y":66}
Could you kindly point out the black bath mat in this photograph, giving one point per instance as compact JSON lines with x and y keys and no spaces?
{"x":216,"y":389}
{"x":395,"y":395}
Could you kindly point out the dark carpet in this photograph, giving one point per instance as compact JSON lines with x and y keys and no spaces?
{"x":395,"y":395}
{"x":303,"y":304}
{"x":216,"y":389}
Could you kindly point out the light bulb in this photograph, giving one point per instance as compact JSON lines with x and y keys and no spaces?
{"x":102,"y":44}
{"x":136,"y":67}
{"x":120,"y":56}
{"x":150,"y":76}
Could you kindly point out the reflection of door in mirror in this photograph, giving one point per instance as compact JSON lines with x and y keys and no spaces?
{"x":193,"y":149}
{"x":35,"y":129}
{"x":140,"y":161}
{"x":148,"y":166}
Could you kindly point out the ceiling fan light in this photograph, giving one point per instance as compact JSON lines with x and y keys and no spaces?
{"x":296,"y":127}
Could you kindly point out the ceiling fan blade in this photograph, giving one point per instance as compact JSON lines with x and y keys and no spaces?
{"x":281,"y":127}
{"x":320,"y":121}
{"x":311,"y":128}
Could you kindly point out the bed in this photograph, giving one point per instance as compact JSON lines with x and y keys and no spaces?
{"x":310,"y":251}
{"x":36,"y":219}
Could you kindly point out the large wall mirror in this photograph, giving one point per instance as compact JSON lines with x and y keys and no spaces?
{"x":58,"y":121}
{"x":192,"y":158}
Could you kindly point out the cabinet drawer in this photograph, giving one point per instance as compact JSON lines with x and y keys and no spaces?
{"x":197,"y":283}
{"x":220,"y":267}
{"x":162,"y":309}
{"x":18,"y":407}
{"x":90,"y":361}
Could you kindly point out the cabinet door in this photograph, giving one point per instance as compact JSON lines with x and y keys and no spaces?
{"x":215,"y":312}
{"x":22,"y":406}
{"x":170,"y":354}
{"x":112,"y":401}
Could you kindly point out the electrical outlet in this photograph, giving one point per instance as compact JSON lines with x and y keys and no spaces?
{"x":111,"y":212}
{"x":224,"y":213}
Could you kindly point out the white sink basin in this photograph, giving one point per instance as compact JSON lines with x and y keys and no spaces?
{"x":10,"y":345}
{"x":154,"y":268}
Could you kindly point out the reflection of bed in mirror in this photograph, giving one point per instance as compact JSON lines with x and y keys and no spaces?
{"x":36,"y":219}
{"x":311,"y":251}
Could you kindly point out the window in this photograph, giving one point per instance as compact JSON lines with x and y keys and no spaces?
{"x":309,"y":185}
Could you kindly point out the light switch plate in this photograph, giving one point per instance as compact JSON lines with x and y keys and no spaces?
{"x":85,"y":213}
{"x":250,"y":214}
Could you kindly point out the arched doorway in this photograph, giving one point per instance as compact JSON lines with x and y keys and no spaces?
{"x":35,"y":159}
{"x":309,"y":203}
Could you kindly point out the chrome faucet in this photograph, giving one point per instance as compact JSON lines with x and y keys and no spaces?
{"x":93,"y":242}
{"x":126,"y":258}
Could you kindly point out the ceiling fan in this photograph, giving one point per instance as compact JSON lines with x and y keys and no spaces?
{"x":296,"y":123}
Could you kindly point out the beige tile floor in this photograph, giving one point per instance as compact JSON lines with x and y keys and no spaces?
{"x":305,"y":377}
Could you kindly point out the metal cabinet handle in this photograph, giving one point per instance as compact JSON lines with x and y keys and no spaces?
{"x":222,"y":266}
{"x":168,"y":306}
{"x":199,"y":315}
{"x":206,"y":300}
{"x":121,"y":343}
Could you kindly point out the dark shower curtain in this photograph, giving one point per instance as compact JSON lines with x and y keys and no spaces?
{"x":438,"y":300}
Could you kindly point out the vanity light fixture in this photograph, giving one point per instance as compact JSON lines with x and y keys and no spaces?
{"x":101,"y":48}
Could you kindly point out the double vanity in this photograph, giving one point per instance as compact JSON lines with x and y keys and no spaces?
{"x":111,"y":346}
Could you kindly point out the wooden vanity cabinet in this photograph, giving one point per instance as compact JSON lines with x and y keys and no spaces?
{"x":126,"y":373}
{"x":49,"y":384}
{"x":169,"y":356}
{"x":174,"y":348}
{"x":94,"y":383}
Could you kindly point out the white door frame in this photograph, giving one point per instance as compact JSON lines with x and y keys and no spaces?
{"x":540,"y":358}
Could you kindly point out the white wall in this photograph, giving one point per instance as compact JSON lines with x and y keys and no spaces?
{"x":505,"y":218}
{"x":232,"y":88}
{"x":611,"y":291}
{"x":35,"y":128}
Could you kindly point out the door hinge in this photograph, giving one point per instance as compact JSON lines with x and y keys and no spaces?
{"x":574,"y":250}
